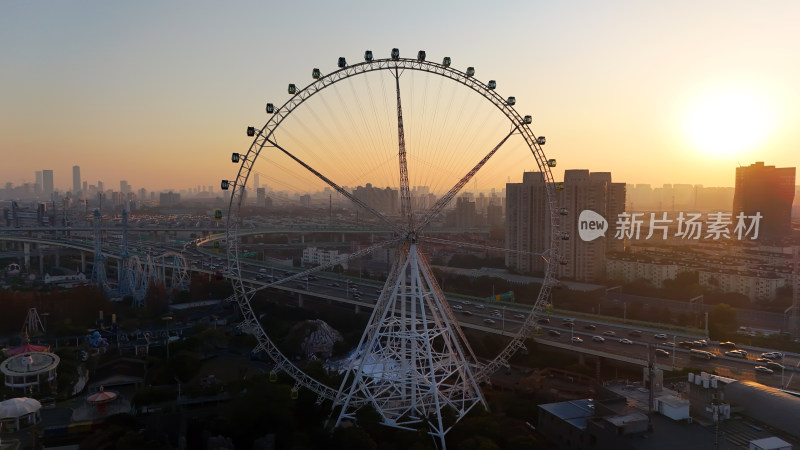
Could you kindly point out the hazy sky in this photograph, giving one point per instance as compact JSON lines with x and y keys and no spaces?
{"x":159,"y":93}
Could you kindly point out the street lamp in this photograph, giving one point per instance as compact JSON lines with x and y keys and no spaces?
{"x":673,"y":350}
{"x":167,"y":319}
{"x":783,"y":362}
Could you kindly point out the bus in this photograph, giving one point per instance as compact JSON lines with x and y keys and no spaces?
{"x":694,"y":353}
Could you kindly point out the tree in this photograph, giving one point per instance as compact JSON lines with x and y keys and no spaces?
{"x":722,"y":321}
{"x":156,"y":299}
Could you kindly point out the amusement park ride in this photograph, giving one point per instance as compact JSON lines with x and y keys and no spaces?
{"x":413,"y":361}
{"x":135,"y":274}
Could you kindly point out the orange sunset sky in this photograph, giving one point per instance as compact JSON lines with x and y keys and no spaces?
{"x":159,"y":93}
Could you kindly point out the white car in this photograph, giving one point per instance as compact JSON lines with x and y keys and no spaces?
{"x":625,"y":341}
{"x":519,"y":316}
{"x":457,"y":307}
{"x":598,"y":338}
{"x":737,"y":354}
{"x":489,"y":321}
{"x":577,"y":340}
{"x":660,"y":336}
{"x":609,"y":333}
{"x":763,"y":369}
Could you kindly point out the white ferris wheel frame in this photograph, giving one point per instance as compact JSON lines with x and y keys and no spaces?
{"x":263,"y":138}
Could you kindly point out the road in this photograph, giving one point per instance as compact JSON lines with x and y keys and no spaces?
{"x":508,"y":320}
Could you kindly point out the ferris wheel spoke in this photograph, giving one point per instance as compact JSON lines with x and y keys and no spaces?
{"x":447,"y":198}
{"x":405,"y":191}
{"x":433,"y":240}
{"x":339,"y":189}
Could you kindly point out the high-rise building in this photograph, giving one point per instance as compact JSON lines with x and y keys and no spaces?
{"x":39,"y":179}
{"x":47,"y":183}
{"x":169,"y":198}
{"x":769,"y":191}
{"x":261,"y":195}
{"x":385,"y":200}
{"x":76,"y":180}
{"x":465,"y":213}
{"x":124,"y":187}
{"x":528,"y":222}
{"x":494,"y":214}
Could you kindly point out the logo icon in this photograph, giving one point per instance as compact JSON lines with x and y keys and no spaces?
{"x":591,"y":225}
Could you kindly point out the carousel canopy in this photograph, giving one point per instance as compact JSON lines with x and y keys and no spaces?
{"x":101,"y":397}
{"x":18,"y":407}
{"x":27,"y":348}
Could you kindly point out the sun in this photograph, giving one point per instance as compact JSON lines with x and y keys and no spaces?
{"x":727,"y":122}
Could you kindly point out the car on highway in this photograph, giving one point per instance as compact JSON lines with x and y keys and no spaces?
{"x":568,"y":324}
{"x":609,"y":333}
{"x":467,"y":313}
{"x":496,"y":314}
{"x":661,"y":352}
{"x":763,"y":369}
{"x":519,"y":316}
{"x":772,"y":355}
{"x":763,"y":360}
{"x":701,"y":343}
{"x":736,"y":354}
{"x":553,"y":333}
{"x":479,"y":306}
{"x":774,"y":366}
{"x":660,"y":336}
{"x":669,"y":344}
{"x":727,"y":344}
{"x":598,"y":338}
{"x":457,"y":307}
{"x":590,"y":326}
{"x":686,"y":344}
{"x":489,"y":321}
{"x":543,"y":320}
{"x":635,"y":333}
{"x":577,"y":340}
{"x":625,"y":341}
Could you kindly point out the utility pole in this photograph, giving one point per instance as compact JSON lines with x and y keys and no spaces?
{"x":795,"y":325}
{"x":651,"y":376}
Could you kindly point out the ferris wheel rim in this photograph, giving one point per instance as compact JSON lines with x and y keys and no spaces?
{"x":265,"y":133}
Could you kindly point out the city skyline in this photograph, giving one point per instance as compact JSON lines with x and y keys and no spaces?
{"x":144,"y":93}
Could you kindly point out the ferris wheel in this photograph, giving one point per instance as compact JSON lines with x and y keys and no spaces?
{"x":396,"y":140}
